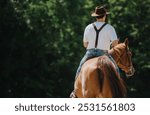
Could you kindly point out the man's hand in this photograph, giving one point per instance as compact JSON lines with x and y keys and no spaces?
{"x":114,"y":43}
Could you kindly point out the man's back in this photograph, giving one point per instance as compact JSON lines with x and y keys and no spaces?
{"x":106,"y":36}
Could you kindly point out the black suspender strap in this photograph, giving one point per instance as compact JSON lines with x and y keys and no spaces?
{"x":97,"y":32}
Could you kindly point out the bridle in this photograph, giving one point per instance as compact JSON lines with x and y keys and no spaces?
{"x":119,"y":58}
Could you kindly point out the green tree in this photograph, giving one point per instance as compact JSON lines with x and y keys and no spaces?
{"x":41,"y":44}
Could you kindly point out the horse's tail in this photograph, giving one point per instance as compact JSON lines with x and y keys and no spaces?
{"x":109,"y":73}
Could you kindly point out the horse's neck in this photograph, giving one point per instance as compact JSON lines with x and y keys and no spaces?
{"x":115,"y":53}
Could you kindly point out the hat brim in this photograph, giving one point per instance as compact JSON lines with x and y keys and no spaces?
{"x":95,"y":15}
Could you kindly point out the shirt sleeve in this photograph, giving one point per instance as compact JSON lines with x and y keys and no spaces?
{"x":112,"y":34}
{"x":85,"y":37}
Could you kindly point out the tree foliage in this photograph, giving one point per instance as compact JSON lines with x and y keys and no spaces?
{"x":41,"y":44}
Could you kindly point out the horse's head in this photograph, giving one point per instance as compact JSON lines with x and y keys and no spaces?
{"x":122,"y":56}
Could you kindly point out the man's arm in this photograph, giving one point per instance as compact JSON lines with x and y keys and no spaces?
{"x":85,"y":37}
{"x":85,"y":44}
{"x":113,"y":37}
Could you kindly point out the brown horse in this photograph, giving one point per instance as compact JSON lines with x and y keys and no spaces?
{"x":99,"y":77}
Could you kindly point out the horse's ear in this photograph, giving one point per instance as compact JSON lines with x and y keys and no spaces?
{"x":126,"y":41}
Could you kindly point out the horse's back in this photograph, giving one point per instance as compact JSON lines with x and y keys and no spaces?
{"x":98,"y":78}
{"x":90,"y":65}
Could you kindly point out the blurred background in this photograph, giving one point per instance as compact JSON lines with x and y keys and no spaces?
{"x":41,"y":44}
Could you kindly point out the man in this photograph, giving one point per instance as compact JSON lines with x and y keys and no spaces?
{"x":98,"y":36}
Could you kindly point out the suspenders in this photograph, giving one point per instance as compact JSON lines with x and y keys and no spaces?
{"x":97,"y":32}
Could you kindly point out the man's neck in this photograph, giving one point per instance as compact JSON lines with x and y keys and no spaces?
{"x":100,"y":20}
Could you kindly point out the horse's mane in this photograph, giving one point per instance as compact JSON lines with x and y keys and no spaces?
{"x":108,"y":70}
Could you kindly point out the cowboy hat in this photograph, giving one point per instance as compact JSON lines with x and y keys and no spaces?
{"x":99,"y":11}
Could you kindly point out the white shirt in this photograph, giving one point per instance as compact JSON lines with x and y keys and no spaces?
{"x":106,"y":36}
